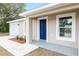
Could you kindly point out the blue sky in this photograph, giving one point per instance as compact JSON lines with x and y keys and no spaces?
{"x":31,"y":6}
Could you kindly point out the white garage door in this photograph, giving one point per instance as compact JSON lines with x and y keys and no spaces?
{"x":14,"y":29}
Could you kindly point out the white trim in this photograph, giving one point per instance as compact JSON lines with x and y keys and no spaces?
{"x":73,"y":38}
{"x":17,"y":20}
{"x":37,"y":9}
{"x":44,"y":8}
{"x":38,"y":30}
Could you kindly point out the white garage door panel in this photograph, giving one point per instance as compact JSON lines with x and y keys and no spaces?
{"x":14,"y":29}
{"x":22,"y":28}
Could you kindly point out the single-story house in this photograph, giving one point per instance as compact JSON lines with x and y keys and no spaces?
{"x":54,"y":23}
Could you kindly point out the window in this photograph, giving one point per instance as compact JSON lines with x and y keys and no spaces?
{"x":65,"y":29}
{"x":65,"y":26}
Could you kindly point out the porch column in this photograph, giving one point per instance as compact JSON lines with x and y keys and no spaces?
{"x":78,"y":39}
{"x":28,"y":30}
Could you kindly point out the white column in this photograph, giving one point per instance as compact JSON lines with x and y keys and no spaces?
{"x":78,"y":42}
{"x":78,"y":38}
{"x":28,"y":30}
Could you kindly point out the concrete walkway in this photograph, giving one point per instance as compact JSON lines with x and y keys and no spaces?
{"x":15,"y":48}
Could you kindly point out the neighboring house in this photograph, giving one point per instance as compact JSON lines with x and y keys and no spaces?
{"x":54,"y":23}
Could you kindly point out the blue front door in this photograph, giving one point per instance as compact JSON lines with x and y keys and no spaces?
{"x":43,"y":29}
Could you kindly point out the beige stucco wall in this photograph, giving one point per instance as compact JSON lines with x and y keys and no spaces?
{"x":52,"y":33}
{"x":52,"y":30}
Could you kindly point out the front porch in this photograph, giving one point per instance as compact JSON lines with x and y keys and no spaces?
{"x":57,"y":48}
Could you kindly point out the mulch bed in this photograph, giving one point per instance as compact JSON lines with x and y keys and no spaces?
{"x":4,"y":52}
{"x":22,"y":41}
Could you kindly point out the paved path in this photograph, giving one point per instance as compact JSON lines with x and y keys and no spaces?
{"x":15,"y":48}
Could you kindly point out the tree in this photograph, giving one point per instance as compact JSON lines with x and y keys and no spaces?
{"x":9,"y":11}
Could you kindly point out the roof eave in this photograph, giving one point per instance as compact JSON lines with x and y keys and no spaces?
{"x":43,"y":9}
{"x":17,"y":20}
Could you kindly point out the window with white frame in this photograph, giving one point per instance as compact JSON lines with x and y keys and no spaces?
{"x":65,"y":29}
